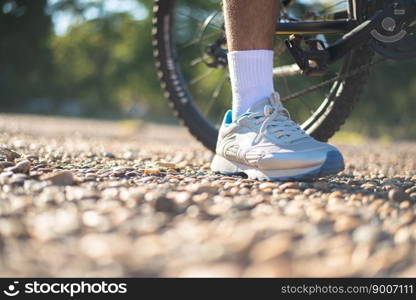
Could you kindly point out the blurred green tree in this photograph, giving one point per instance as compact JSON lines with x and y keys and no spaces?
{"x":25,"y":57}
{"x":105,"y":62}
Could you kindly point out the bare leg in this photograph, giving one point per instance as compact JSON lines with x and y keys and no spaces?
{"x":250,"y":24}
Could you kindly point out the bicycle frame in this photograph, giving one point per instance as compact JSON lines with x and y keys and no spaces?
{"x":355,"y":33}
{"x":343,"y":24}
{"x":316,"y":27}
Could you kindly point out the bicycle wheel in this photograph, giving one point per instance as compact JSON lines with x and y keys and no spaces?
{"x":187,"y":32}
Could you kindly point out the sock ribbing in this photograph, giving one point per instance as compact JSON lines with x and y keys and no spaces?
{"x":251,"y":74}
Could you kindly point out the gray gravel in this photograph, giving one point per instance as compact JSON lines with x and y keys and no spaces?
{"x":93,"y":198}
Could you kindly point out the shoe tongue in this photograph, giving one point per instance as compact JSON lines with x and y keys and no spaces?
{"x":273,"y":100}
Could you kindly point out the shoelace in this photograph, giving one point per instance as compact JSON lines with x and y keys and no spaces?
{"x":276,"y":120}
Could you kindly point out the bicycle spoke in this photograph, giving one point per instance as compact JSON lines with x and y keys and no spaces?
{"x":203,"y":76}
{"x":216,"y":93}
{"x":309,"y":90}
{"x":301,"y":100}
{"x":195,"y":61}
{"x":286,"y":71}
{"x":199,"y":21}
{"x":197,"y":40}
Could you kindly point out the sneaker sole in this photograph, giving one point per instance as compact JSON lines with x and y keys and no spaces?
{"x":334,"y":163}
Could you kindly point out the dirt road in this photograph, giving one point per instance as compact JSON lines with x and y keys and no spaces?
{"x":93,"y":198}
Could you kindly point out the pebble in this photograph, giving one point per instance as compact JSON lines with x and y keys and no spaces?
{"x":168,"y":165}
{"x":204,"y":188}
{"x":109,"y":155}
{"x":18,"y":178}
{"x":164,"y":204}
{"x":345,"y":223}
{"x":289,"y":185}
{"x":271,"y":248}
{"x":130,"y":155}
{"x":411,"y":190}
{"x":320,"y":185}
{"x":267,"y":185}
{"x":292,"y":191}
{"x":398,"y":195}
{"x":59,"y":178}
{"x":20,"y":167}
{"x":368,"y":186}
{"x":366,"y":234}
{"x":10,"y":155}
{"x":5,"y":164}
{"x":155,"y":209}
{"x":336,"y":194}
{"x":153,"y":171}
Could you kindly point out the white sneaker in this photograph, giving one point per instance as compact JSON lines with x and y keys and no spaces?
{"x":265,"y":144}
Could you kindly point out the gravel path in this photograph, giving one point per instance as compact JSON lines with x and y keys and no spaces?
{"x":93,"y":198}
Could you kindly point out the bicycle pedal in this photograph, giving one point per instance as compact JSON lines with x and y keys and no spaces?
{"x":313,"y":61}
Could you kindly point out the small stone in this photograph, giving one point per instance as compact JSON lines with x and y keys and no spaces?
{"x":10,"y":155}
{"x":59,"y":178}
{"x":31,"y":157}
{"x":18,"y":178}
{"x":5,"y":164}
{"x":304,"y":185}
{"x":398,"y":195}
{"x":21,"y":167}
{"x":345,"y":223}
{"x":164,"y":204}
{"x":320,"y":185}
{"x":109,"y":155}
{"x":336,"y":194}
{"x":404,"y":204}
{"x":132,"y":174}
{"x":5,"y":177}
{"x":366,"y":234}
{"x":309,"y":192}
{"x":292,"y":191}
{"x":406,"y":218}
{"x":402,"y":235}
{"x":119,"y":171}
{"x":271,"y":248}
{"x":152,"y":171}
{"x":182,"y":197}
{"x":411,"y":190}
{"x":165,"y":164}
{"x":267,"y":185}
{"x":289,"y":185}
{"x":204,"y":188}
{"x":91,"y":218}
{"x":368,"y":186}
{"x":129,"y":155}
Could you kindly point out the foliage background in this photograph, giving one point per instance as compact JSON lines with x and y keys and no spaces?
{"x":102,"y":66}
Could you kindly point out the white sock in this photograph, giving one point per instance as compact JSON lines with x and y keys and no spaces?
{"x":251,"y":74}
